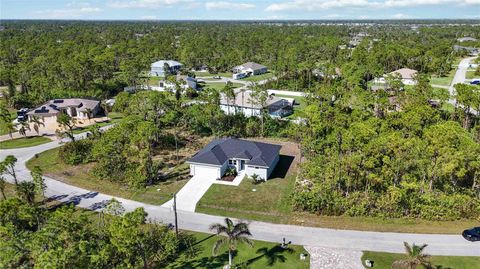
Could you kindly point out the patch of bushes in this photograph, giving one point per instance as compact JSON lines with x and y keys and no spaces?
{"x":77,"y":152}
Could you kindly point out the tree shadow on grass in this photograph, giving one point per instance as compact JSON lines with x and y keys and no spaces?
{"x":204,"y":262}
{"x":272,"y":255}
{"x":283,"y":165}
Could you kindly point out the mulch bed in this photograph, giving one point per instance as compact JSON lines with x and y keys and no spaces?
{"x":227,"y":178}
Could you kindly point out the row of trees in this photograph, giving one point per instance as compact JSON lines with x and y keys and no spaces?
{"x":45,"y":60}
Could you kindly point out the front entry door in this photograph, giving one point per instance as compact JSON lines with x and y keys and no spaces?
{"x":242,"y":165}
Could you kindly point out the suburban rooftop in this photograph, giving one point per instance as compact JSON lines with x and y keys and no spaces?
{"x":220,"y":150}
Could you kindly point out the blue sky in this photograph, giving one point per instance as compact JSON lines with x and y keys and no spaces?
{"x":238,"y":9}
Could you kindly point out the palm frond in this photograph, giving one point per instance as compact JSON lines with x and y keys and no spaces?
{"x":219,"y":243}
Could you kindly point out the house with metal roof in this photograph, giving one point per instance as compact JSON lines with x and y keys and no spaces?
{"x":158,"y":68}
{"x":246,"y":156}
{"x":249,"y":69}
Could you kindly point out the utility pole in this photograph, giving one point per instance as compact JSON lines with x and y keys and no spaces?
{"x":175,"y":211}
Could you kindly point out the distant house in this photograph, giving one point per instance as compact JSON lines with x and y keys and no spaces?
{"x":188,"y":82}
{"x":158,"y":68}
{"x":466,"y":39}
{"x":407,"y":76}
{"x":469,"y":50}
{"x":250,"y":69}
{"x":75,"y":108}
{"x":244,"y":103}
{"x":246,"y":156}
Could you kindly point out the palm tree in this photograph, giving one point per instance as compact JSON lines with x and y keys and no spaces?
{"x":37,"y":122}
{"x":232,"y":235}
{"x":414,"y":257}
{"x":3,"y":185}
{"x":24,"y":126}
{"x":26,"y":190}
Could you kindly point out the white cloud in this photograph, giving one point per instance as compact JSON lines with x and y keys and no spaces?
{"x":147,"y":3}
{"x":67,"y":13}
{"x":312,"y":5}
{"x":227,"y":5}
{"x":148,"y":17}
{"x":400,"y":16}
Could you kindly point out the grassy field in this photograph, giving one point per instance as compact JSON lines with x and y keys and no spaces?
{"x":267,"y":75}
{"x":208,"y":75}
{"x":219,"y":85}
{"x":471,"y":75}
{"x":114,"y":117}
{"x":384,"y":260}
{"x":24,"y":142}
{"x":446,"y":80}
{"x":261,"y":255}
{"x":80,"y":175}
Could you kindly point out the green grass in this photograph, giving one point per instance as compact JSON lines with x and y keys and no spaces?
{"x":81,"y":176}
{"x":441,"y":93}
{"x":445,"y":80}
{"x":298,"y":109}
{"x":261,"y":255}
{"x":153,"y":81}
{"x":267,"y":75}
{"x":219,"y":85}
{"x":114,"y":117}
{"x":24,"y":142}
{"x":208,"y":75}
{"x":384,"y":260}
{"x":471,"y":75}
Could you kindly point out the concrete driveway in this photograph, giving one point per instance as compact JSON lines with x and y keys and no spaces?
{"x":191,"y":193}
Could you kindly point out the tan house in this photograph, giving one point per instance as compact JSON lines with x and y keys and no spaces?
{"x":75,"y":107}
{"x":407,"y":75}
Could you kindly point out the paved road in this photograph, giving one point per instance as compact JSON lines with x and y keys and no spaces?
{"x":459,"y":77}
{"x":320,"y":237}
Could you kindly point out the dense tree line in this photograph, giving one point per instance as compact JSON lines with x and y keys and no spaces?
{"x":97,"y":59}
{"x":366,"y":158}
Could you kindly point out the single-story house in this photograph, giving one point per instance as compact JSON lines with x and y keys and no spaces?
{"x":244,"y":103}
{"x":242,"y":155}
{"x":250,"y":69}
{"x":158,"y":68}
{"x":407,"y":76}
{"x":466,"y":39}
{"x":74,"y":107}
{"x":469,"y":50}
{"x":188,"y":82}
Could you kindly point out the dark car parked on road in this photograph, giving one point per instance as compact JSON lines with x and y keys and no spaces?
{"x":472,"y":234}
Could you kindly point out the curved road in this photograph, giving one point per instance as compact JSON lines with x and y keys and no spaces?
{"x":309,"y":236}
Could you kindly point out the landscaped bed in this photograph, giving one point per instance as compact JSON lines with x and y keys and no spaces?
{"x":24,"y":142}
{"x":384,"y":260}
{"x":261,"y":255}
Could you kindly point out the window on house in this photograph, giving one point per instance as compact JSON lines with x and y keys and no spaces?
{"x":256,"y":167}
{"x":230,"y":161}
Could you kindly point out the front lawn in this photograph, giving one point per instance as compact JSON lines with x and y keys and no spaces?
{"x":471,"y":75}
{"x":444,"y":80}
{"x":24,"y":142}
{"x":219,"y":85}
{"x":256,"y":78}
{"x":80,"y":176}
{"x":384,"y":260}
{"x":209,"y":75}
{"x":261,"y":255}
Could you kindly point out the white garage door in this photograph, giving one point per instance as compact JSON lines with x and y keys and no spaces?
{"x":206,"y":172}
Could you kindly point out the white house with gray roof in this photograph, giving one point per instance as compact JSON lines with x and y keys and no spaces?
{"x":249,"y":69}
{"x":158,"y":68}
{"x":243,"y":155}
{"x":245,"y":104}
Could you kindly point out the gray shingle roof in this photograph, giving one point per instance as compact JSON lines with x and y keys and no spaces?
{"x":220,"y":150}
{"x":252,"y":65}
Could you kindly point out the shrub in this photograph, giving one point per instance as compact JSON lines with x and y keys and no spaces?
{"x":231,"y":172}
{"x":256,"y":179}
{"x":77,"y":152}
